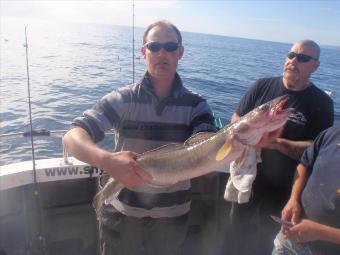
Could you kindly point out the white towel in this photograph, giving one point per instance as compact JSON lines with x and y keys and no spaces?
{"x":242,"y":174}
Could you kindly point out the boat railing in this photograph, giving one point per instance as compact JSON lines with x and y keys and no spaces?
{"x":218,"y":121}
{"x":43,"y":133}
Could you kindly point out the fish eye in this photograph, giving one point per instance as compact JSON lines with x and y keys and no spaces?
{"x":264,"y":107}
{"x":243,"y":127}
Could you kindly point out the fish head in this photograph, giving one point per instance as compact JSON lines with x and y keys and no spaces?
{"x":265,"y":118}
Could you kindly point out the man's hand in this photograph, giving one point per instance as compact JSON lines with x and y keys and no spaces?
{"x":290,"y":148}
{"x":123,"y":167}
{"x":269,"y":139}
{"x":305,"y":231}
{"x":291,"y":212}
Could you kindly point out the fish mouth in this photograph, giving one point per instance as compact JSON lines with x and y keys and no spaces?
{"x":281,"y":104}
{"x":279,"y":107}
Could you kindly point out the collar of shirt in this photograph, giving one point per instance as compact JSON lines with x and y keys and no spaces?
{"x":176,"y":89}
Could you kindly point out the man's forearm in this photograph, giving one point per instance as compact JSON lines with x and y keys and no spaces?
{"x":80,"y":145}
{"x":292,"y":149}
{"x":329,"y":234}
{"x":300,"y":179}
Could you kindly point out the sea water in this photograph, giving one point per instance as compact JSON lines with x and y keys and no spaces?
{"x":73,"y":65}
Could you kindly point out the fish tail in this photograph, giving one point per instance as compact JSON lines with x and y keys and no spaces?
{"x":109,"y":189}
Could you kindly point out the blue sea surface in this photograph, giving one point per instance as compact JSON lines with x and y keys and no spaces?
{"x":72,"y":65}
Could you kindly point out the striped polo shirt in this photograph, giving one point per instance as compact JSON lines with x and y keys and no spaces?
{"x":142,"y":122}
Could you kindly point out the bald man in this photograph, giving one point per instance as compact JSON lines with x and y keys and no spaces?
{"x":253,"y":228}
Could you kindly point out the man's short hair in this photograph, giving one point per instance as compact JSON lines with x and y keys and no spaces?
{"x":312,"y":44}
{"x":163,"y":23}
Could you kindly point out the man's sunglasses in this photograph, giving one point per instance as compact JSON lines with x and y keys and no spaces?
{"x":300,"y":57}
{"x":156,"y":46}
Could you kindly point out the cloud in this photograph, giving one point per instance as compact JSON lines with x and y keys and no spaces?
{"x":160,"y":4}
{"x":100,"y":12}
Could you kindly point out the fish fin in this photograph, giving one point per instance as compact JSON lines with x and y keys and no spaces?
{"x":158,"y":186}
{"x":162,"y":149}
{"x":224,"y":150}
{"x":111,"y":187}
{"x":199,"y":137}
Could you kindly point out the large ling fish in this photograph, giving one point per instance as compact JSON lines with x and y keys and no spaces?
{"x":204,"y":153}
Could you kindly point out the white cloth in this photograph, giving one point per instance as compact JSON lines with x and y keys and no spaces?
{"x":242,"y":174}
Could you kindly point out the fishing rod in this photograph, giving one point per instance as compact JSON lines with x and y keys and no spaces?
{"x":133,"y":41}
{"x":40,"y":237}
{"x":29,"y":106}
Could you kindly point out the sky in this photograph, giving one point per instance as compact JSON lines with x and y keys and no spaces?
{"x":271,"y":20}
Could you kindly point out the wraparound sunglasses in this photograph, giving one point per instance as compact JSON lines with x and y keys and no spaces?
{"x":302,"y":58}
{"x":156,"y":46}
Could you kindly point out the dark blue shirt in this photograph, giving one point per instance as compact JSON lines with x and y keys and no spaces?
{"x":321,"y":196}
{"x":313,"y":113}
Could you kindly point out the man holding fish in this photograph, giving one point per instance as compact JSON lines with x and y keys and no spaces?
{"x":157,"y":110}
{"x":253,"y":228}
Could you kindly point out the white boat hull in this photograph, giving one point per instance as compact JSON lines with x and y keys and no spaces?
{"x":58,"y":220}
